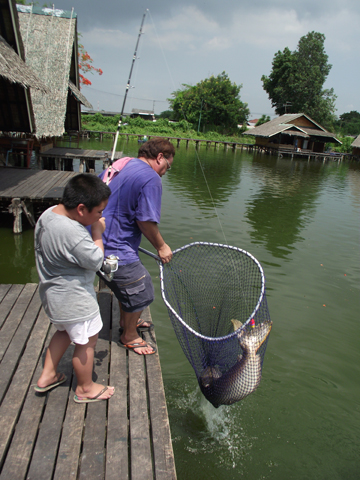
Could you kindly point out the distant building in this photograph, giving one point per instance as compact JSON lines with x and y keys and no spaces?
{"x":252,"y":123}
{"x":356,"y":146}
{"x":145,"y":114}
{"x":296,"y":131}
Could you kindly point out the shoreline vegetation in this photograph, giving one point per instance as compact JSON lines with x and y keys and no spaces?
{"x":182,"y":129}
{"x":162,"y":127}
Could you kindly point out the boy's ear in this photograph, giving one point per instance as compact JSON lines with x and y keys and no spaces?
{"x":81,"y":209}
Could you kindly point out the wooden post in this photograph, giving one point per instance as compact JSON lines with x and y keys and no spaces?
{"x":16,"y":209}
{"x":29,"y":212}
{"x":81,"y":166}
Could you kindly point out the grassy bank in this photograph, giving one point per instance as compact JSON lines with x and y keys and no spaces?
{"x":162,"y":128}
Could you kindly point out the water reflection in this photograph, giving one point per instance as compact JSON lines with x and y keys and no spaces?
{"x":284,"y":202}
{"x":205,"y":177}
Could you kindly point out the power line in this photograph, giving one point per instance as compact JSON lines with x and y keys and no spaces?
{"x":122,"y":96}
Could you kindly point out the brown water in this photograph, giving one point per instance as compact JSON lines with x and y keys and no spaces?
{"x":301,"y":221}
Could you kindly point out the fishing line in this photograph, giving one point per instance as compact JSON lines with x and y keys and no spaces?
{"x":188,"y":129}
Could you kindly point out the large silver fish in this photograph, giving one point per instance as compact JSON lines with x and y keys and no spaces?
{"x":243,"y":377}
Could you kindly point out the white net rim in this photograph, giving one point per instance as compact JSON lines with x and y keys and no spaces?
{"x":197,"y":334}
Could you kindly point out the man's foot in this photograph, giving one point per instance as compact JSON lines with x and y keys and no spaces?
{"x":138,"y":346}
{"x":141,"y":326}
{"x":96,"y":393}
{"x":43,"y":384}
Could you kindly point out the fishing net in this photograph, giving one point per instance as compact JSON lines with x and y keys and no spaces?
{"x":205,"y":287}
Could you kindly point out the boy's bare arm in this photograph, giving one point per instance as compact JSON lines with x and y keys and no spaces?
{"x":97,"y":229}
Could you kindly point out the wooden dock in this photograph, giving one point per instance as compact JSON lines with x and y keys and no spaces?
{"x":30,"y":192}
{"x":61,"y":158}
{"x":49,"y":436}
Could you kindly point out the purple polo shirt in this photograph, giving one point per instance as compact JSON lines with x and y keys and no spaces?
{"x":135,"y":195}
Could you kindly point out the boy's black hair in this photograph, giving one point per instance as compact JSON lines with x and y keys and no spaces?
{"x":85,"y":188}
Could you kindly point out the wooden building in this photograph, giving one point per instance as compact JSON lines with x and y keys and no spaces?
{"x":356,"y":147}
{"x":296,"y":132}
{"x":51,"y":48}
{"x":16,"y":78}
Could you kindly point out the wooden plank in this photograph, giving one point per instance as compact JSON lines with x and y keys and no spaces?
{"x":93,"y":453}
{"x":24,"y":440}
{"x":164,"y":463}
{"x":117,"y":458}
{"x":22,"y":444}
{"x":4,"y":288}
{"x":14,"y":399}
{"x":139,"y":420}
{"x":45,"y":453}
{"x":20,"y":188}
{"x":8,"y":302}
{"x":71,"y":440}
{"x":14,"y":318}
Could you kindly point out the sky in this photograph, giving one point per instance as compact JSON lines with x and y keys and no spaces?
{"x":186,"y":41}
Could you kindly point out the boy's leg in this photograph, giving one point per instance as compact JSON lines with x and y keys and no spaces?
{"x":57,"y":347}
{"x":83,"y":362}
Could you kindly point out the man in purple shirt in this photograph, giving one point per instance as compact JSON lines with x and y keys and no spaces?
{"x":134,"y":209}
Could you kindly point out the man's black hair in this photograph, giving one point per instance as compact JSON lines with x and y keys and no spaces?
{"x":85,"y":188}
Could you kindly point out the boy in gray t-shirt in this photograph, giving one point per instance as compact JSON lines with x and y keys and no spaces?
{"x":67,"y":258}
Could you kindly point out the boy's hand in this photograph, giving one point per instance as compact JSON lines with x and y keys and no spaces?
{"x":98,"y":227}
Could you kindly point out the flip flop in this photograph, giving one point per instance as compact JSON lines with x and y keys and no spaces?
{"x":93,"y":399}
{"x":140,"y":326}
{"x":52,"y":385}
{"x":132,"y":346}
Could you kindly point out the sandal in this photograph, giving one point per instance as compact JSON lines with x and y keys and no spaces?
{"x":140,"y":326}
{"x":93,"y":399}
{"x":58,"y":382}
{"x":132,"y":346}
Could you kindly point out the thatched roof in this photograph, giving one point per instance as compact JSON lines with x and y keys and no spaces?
{"x":15,"y":70}
{"x":16,"y":112}
{"x":286,"y":124}
{"x":356,"y":142}
{"x":79,"y":96}
{"x":50,"y":41}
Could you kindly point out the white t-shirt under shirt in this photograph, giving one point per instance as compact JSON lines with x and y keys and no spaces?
{"x":67,"y":260}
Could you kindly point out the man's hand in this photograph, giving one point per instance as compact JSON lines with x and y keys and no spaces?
{"x":165,"y":253}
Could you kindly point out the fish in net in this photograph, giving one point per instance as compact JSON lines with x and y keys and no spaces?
{"x":215,"y":296}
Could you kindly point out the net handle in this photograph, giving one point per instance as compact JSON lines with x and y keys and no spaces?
{"x":150,"y":254}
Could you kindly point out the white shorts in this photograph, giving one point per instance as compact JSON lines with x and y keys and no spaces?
{"x":81,"y":332}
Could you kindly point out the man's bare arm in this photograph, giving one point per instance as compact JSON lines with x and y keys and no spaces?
{"x":151,"y":231}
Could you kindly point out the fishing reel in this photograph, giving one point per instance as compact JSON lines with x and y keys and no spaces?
{"x":109,"y":267}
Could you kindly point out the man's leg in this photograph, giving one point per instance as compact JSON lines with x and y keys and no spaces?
{"x":145,"y":323}
{"x":130,"y":334}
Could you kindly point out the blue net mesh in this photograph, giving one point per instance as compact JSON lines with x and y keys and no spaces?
{"x":208,"y":289}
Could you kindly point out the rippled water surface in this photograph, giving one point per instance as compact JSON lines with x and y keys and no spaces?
{"x":301,"y":221}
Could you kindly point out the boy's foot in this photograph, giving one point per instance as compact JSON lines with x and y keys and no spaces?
{"x":60,"y":378}
{"x":140,"y":347}
{"x":103,"y":394}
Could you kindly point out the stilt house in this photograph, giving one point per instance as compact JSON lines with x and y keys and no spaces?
{"x":293,"y":131}
{"x":356,"y":147}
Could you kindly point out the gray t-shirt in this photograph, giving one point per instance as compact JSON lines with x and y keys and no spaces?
{"x":66,"y":260}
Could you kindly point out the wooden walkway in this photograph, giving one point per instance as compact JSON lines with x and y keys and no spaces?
{"x":61,"y":158}
{"x":30,"y":192}
{"x":49,"y":436}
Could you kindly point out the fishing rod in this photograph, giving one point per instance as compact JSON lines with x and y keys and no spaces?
{"x":125,"y":96}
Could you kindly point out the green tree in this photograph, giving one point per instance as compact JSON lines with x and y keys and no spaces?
{"x":349,"y":123}
{"x":297,"y":80}
{"x":262,"y":119}
{"x":212,"y":104}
